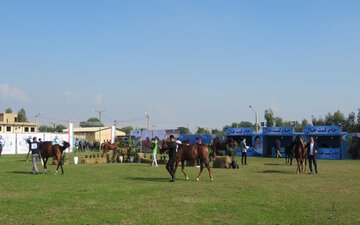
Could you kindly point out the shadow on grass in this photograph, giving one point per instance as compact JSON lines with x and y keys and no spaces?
{"x":276,"y":171}
{"x":21,"y":172}
{"x":152,"y":179}
{"x":275,"y":164}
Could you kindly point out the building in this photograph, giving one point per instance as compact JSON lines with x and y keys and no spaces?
{"x":9,"y":124}
{"x":95,"y":133}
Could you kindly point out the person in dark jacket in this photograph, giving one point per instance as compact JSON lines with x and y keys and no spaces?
{"x":313,"y":149}
{"x":172,"y":158}
{"x":34,"y":148}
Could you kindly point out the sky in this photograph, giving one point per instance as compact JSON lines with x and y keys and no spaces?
{"x":185,"y":63}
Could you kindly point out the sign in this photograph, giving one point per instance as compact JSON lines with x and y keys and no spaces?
{"x":278,"y":130}
{"x":328,"y":153}
{"x":322,"y":130}
{"x":245,"y":131}
{"x":257,"y":145}
{"x":135,"y":133}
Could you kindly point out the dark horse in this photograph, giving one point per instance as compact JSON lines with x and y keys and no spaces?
{"x":47,"y":150}
{"x":218,"y":147}
{"x":187,"y":152}
{"x":300,"y":154}
{"x":289,"y":153}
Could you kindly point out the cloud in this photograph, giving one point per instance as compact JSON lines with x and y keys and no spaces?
{"x":99,"y":99}
{"x":6,"y":92}
{"x":68,"y":94}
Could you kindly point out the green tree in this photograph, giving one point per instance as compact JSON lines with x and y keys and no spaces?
{"x":278,"y":122}
{"x":217,"y":132}
{"x":127,"y":129}
{"x":269,"y":117}
{"x":22,"y":115}
{"x":91,"y":122}
{"x":44,"y":128}
{"x":8,"y":110}
{"x":59,"y":128}
{"x":202,"y":130}
{"x":317,"y":121}
{"x":350,"y":123}
{"x":183,"y":130}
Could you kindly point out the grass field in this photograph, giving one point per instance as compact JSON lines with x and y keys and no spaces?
{"x":264,"y":192}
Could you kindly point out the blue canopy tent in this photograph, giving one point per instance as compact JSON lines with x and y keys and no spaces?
{"x":270,"y":134}
{"x":329,"y":139}
{"x":238,"y":134}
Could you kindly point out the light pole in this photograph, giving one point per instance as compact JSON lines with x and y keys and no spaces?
{"x":147,"y":116}
{"x":36,"y":122}
{"x":99,"y":111}
{"x":256,"y":119}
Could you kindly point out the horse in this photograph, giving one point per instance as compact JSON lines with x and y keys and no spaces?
{"x":47,"y":150}
{"x":187,"y":152}
{"x":300,"y":154}
{"x":218,"y":147}
{"x":107,"y":147}
{"x":289,"y":153}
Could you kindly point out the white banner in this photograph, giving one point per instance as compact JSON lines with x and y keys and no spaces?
{"x":8,"y":143}
{"x":22,"y":146}
{"x":71,"y":138}
{"x":113,"y":129}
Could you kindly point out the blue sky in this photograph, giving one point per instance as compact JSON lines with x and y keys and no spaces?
{"x":187,"y":63}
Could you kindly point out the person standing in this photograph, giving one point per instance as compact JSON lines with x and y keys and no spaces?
{"x":277,"y":148}
{"x":243,"y":151}
{"x":172,"y":158}
{"x":154,"y":147}
{"x":34,"y":148}
{"x":313,"y":148}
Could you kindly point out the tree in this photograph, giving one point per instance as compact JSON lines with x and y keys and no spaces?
{"x":335,"y":119}
{"x":217,"y":132}
{"x":44,"y":128}
{"x":127,"y":129}
{"x":278,"y":122}
{"x":269,"y":117}
{"x":8,"y":110}
{"x":350,"y":123}
{"x":91,"y":122}
{"x":317,"y":122}
{"x":183,"y":130}
{"x":59,"y":128}
{"x":22,"y":115}
{"x":202,"y":130}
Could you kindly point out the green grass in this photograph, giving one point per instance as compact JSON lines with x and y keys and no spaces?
{"x":264,"y":192}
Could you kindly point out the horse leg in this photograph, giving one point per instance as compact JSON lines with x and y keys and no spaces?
{"x":210,"y":175}
{"x":45,"y":166}
{"x":56,"y":171}
{"x":201,"y":169}
{"x":182,"y":169}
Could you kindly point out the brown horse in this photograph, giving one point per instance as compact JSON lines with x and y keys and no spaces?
{"x":187,"y":152}
{"x":107,"y":147}
{"x":300,"y":154}
{"x":47,"y":150}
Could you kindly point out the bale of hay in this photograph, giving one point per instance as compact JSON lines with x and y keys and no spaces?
{"x":100,"y":160}
{"x":222,"y":162}
{"x":88,"y":161}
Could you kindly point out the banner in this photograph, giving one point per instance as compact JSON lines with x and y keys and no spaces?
{"x":22,"y":146}
{"x":257,"y":146}
{"x":278,"y":131}
{"x":329,"y":153}
{"x":71,"y":138}
{"x":113,"y":129}
{"x":245,"y":131}
{"x":322,"y":130}
{"x":8,"y":143}
{"x":135,"y":133}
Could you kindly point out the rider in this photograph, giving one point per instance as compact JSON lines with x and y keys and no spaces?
{"x":172,"y":158}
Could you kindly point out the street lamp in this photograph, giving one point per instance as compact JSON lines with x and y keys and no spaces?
{"x":256,"y":119}
{"x":36,"y":121}
{"x":99,"y":111}
{"x":147,"y":116}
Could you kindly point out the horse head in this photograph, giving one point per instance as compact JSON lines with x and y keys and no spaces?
{"x":65,"y":145}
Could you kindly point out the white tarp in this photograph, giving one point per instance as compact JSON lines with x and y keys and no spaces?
{"x":8,"y":142}
{"x":22,"y":146}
